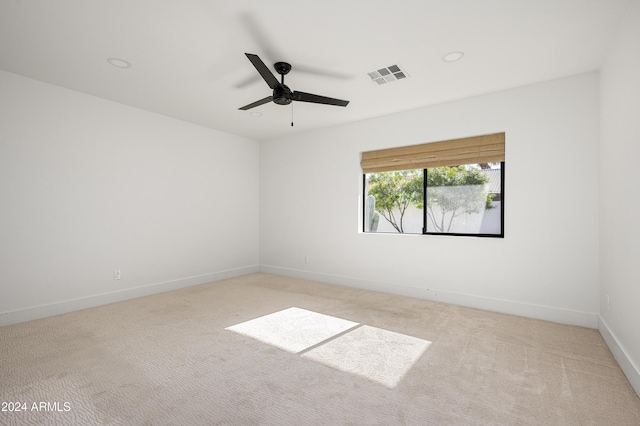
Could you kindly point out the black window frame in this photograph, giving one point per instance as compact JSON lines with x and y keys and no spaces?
{"x":424,"y":215}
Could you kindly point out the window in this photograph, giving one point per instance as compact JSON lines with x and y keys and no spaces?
{"x":457,"y":191}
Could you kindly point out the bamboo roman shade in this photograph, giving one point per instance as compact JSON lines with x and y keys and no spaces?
{"x":473,"y":150}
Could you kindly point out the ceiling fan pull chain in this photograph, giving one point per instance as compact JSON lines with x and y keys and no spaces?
{"x":291,"y":114}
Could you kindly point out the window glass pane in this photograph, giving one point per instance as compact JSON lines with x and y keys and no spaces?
{"x":464,"y":199}
{"x":394,"y":202}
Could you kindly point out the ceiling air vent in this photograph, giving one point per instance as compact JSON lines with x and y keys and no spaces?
{"x":388,"y":74}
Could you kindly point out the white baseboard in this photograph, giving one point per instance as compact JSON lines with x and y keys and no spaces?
{"x":43,"y":311}
{"x":617,"y":349}
{"x":548,"y":313}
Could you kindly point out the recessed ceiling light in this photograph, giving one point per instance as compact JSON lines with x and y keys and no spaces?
{"x":255,"y":114}
{"x":453,"y":56}
{"x":120,"y":63}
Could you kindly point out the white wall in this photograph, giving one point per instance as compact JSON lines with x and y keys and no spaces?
{"x":545,"y":267}
{"x":88,"y":186}
{"x":619,"y":215}
{"x":483,"y":221}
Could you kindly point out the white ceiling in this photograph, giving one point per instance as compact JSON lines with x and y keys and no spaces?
{"x":188,"y":57}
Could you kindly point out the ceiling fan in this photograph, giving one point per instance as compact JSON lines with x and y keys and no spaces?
{"x":282,"y":95}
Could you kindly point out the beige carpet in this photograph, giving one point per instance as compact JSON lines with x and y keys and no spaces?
{"x":194,"y":357}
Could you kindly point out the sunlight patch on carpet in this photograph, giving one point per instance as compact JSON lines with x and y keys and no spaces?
{"x":376,"y":354}
{"x":293,"y":329}
{"x":373,"y":353}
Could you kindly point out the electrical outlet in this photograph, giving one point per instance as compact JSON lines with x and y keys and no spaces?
{"x":117,"y":274}
{"x":608,"y":303}
{"x":306,"y":259}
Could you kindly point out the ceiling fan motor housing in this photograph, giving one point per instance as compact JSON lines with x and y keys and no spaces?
{"x":282,"y":95}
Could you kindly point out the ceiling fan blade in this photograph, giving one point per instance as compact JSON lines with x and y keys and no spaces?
{"x":257,"y":103}
{"x":317,"y":99}
{"x":267,"y":75}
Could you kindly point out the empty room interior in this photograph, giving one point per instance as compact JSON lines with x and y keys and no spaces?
{"x":236,"y":213}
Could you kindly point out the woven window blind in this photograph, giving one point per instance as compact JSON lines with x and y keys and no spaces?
{"x":472,"y":150}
